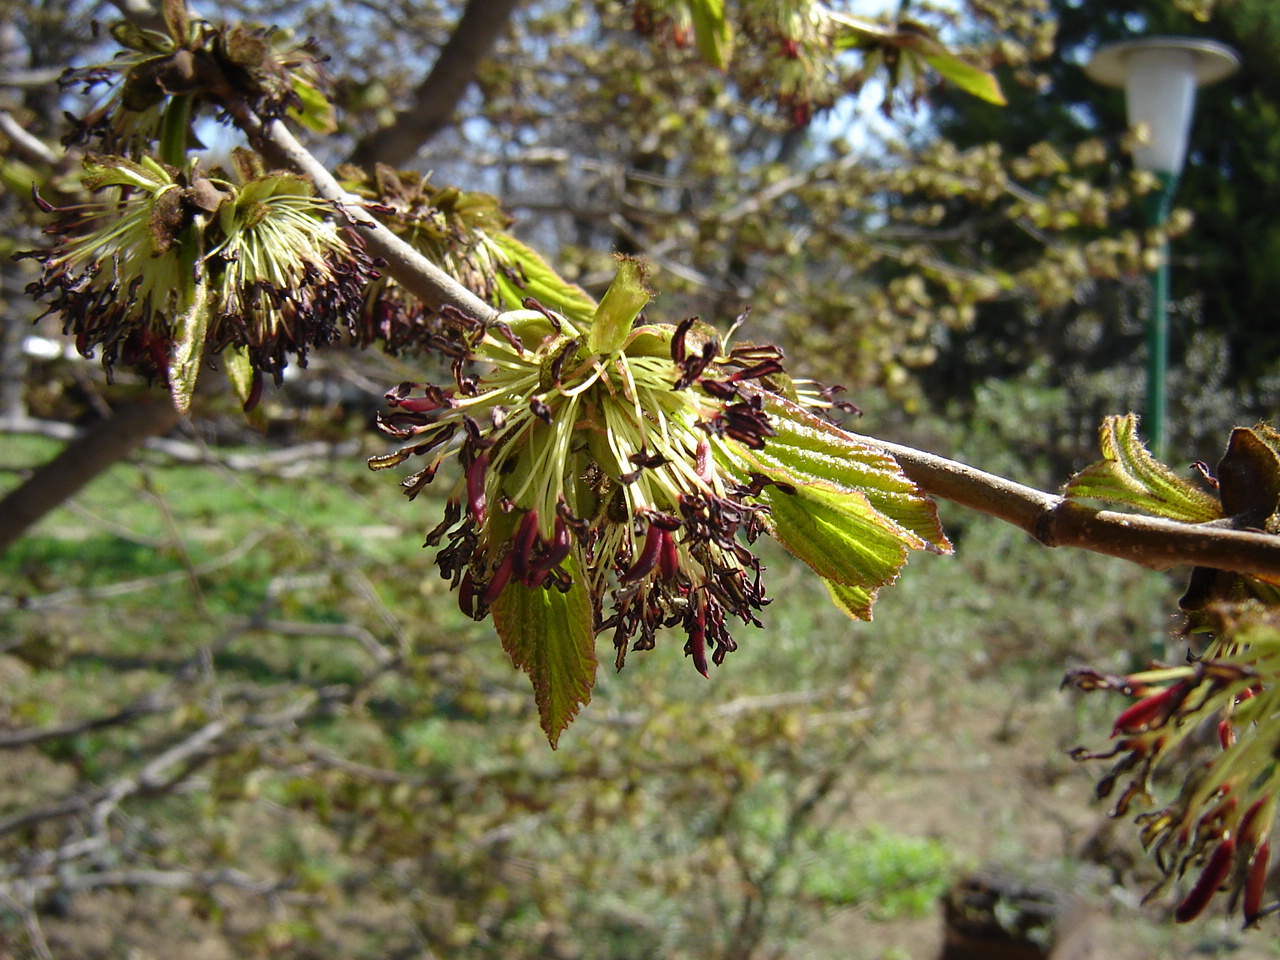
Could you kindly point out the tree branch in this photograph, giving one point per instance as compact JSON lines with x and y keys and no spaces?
{"x":1056,"y":521}
{"x":104,"y":445}
{"x":1052,"y":520}
{"x":437,"y":96}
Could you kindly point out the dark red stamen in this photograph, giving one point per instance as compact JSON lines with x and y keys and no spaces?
{"x":526,"y":537}
{"x":501,"y":577}
{"x":648,"y":556}
{"x":669,"y":560}
{"x":1207,"y":885}
{"x":476,"y":502}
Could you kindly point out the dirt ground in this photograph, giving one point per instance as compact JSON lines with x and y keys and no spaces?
{"x":993,"y":780}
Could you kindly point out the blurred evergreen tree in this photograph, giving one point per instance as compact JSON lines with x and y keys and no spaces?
{"x":1224,"y":276}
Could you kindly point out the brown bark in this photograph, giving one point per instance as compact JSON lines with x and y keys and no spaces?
{"x":436,"y":98}
{"x":103,"y":444}
{"x":1056,"y":521}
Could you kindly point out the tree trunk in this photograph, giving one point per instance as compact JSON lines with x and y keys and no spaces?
{"x":103,"y":444}
{"x":436,"y":98}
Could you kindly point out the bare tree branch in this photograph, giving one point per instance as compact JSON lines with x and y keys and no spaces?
{"x":30,"y":147}
{"x":1056,"y":521}
{"x":437,"y":96}
{"x":102,"y":446}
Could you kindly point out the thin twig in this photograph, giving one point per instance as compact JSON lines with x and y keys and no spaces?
{"x":412,"y":270}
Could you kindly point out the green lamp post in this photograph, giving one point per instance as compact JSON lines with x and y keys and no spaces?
{"x":1160,"y":76}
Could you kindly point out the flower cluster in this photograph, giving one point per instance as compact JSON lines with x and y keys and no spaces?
{"x":617,"y":462}
{"x":162,"y":263}
{"x":461,"y":232}
{"x":627,"y":468}
{"x":192,"y":58}
{"x":1220,"y":823}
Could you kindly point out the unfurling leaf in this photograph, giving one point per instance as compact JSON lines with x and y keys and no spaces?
{"x":1129,"y":475}
{"x":539,"y":281}
{"x":619,"y":307}
{"x":548,"y":635}
{"x":316,"y":112}
{"x":191,"y":325}
{"x":841,"y":506}
{"x":907,"y":40}
{"x":972,"y":80}
{"x":239,"y":366}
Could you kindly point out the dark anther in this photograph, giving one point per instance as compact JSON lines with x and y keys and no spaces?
{"x":540,"y":410}
{"x":531,"y":304}
{"x":504,"y":331}
{"x":678,"y":350}
{"x":566,"y":350}
{"x":452,"y":514}
{"x":522,"y":548}
{"x":475,"y":434}
{"x":475,"y":486}
{"x":501,"y":577}
{"x":646,"y":459}
{"x":721,"y":389}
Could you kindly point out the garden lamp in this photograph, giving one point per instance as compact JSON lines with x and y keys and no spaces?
{"x":1159,"y":76}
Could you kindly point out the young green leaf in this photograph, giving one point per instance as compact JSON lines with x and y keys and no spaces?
{"x":853,"y":602}
{"x":539,"y":281}
{"x":191,"y":325}
{"x":712,"y":31}
{"x":619,"y":307}
{"x":807,"y":450}
{"x":972,"y":80}
{"x":1128,"y":475}
{"x":839,"y":535}
{"x":548,"y":635}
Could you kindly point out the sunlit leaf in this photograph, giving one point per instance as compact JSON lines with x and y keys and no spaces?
{"x":972,"y":80}
{"x":539,"y":281}
{"x":619,"y":307}
{"x":548,"y":635}
{"x":809,"y":450}
{"x":839,"y":535}
{"x":712,"y":31}
{"x":1130,"y":476}
{"x":316,"y":112}
{"x":854,"y":602}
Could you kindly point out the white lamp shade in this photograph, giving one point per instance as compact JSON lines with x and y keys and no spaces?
{"x":1160,"y":76}
{"x":1160,"y":95}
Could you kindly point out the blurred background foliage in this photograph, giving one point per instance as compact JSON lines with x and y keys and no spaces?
{"x":239,"y":715}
